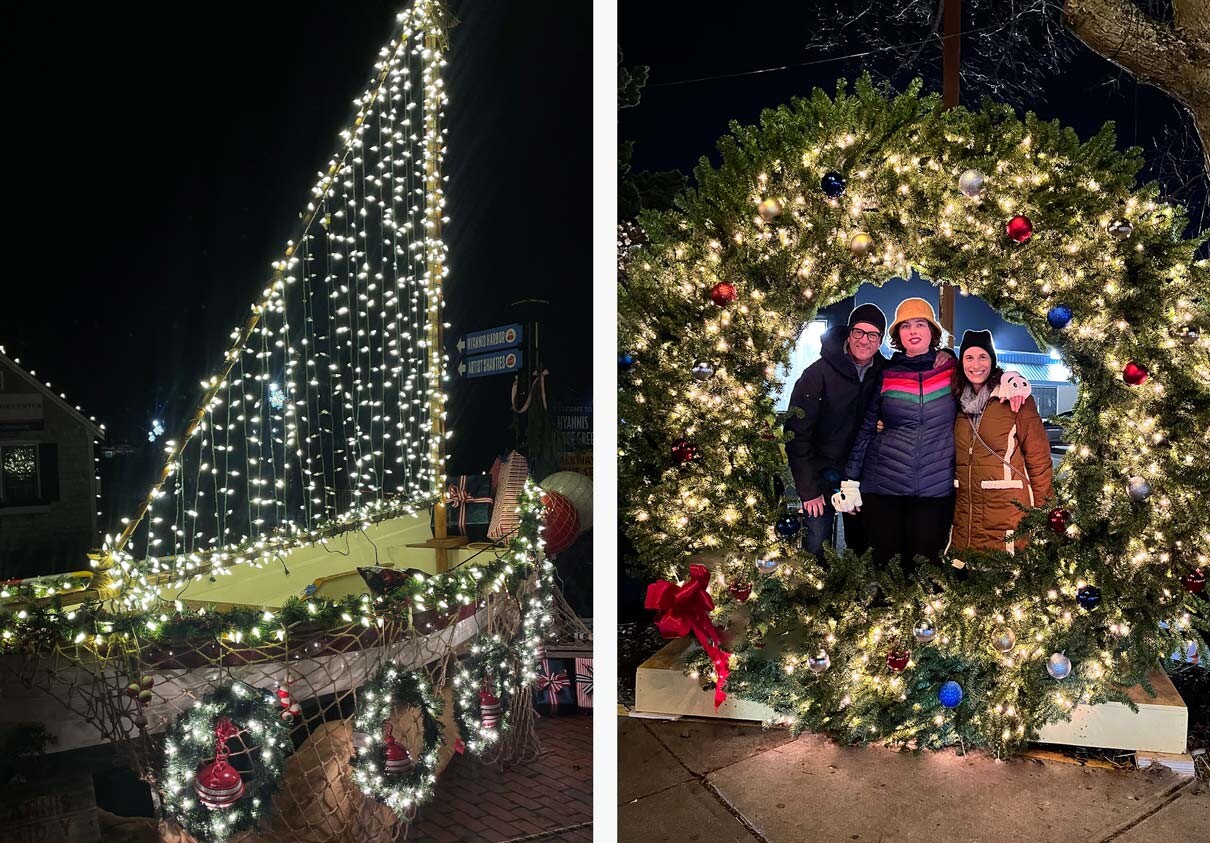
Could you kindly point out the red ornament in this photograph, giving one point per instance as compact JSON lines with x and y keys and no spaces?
{"x":741,"y":591}
{"x":723,"y":293}
{"x":1134,"y":374}
{"x":1059,"y":519}
{"x":489,"y":707}
{"x":398,"y":760}
{"x":684,"y":451}
{"x":1019,"y":229}
{"x":1195,"y":581}
{"x":218,"y":784}
{"x":560,"y":522}
{"x":898,"y":659}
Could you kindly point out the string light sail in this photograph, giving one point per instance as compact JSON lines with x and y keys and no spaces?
{"x":327,"y":412}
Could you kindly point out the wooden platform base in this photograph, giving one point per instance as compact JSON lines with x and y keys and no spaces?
{"x":1160,"y":726}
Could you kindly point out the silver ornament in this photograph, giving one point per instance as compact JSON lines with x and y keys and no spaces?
{"x":769,"y":210}
{"x":1058,"y":666}
{"x":1004,"y":639}
{"x":1188,"y":334}
{"x":819,"y":662}
{"x":1120,"y":229}
{"x":924,"y":632}
{"x":971,"y":183}
{"x":703,"y":370}
{"x":766,"y":566}
{"x":1139,"y":488}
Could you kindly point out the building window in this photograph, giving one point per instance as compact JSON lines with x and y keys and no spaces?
{"x":29,"y":474}
{"x":1047,"y":399}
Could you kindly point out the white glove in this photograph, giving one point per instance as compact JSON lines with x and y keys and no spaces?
{"x":848,"y":499}
{"x":1013,"y":385}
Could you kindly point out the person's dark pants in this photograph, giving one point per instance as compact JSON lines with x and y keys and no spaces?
{"x":822,"y":528}
{"x":907,"y":527}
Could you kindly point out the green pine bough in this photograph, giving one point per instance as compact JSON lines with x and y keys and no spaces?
{"x":1138,"y":298}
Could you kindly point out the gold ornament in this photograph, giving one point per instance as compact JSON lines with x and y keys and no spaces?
{"x":769,"y":209}
{"x":861,"y":244}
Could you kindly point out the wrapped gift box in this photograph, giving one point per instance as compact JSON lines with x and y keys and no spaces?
{"x":554,"y":691}
{"x":583,"y":683}
{"x":468,"y":506}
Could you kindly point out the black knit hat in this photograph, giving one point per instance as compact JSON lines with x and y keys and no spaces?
{"x":978,"y":339}
{"x":868,"y":313}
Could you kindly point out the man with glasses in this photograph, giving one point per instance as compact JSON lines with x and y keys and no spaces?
{"x":826,"y":408}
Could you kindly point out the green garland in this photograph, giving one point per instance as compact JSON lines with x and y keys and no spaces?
{"x":33,"y":628}
{"x":489,"y":657}
{"x":390,"y":687}
{"x":1136,"y":298}
{"x":190,"y":743}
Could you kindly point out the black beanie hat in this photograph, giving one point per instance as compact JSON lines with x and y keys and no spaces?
{"x":978,"y":339}
{"x":868,"y":313}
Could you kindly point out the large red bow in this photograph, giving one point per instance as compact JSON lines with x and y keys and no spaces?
{"x":682,"y":609}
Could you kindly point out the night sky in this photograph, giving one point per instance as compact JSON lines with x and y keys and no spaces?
{"x":157,"y":162}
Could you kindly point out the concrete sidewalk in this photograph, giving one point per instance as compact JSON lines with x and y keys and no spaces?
{"x":721,"y":782}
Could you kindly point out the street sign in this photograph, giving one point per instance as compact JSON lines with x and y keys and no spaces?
{"x":479,"y":342}
{"x":500,"y":363}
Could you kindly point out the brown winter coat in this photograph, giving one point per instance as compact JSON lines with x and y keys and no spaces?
{"x":986,"y":490}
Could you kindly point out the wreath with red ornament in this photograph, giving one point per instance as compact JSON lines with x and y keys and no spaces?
{"x":223,"y":760}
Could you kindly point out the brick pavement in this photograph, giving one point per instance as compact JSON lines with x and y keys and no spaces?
{"x":549,"y":799}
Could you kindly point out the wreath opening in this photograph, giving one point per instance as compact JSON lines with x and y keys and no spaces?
{"x":828,"y":193}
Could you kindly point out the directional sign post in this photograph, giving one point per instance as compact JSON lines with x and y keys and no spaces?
{"x":493,"y":339}
{"x":500,"y":363}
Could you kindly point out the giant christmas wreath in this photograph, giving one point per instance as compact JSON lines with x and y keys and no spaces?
{"x":824,"y":195}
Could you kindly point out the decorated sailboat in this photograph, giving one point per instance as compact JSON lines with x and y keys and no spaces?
{"x":284,"y":637}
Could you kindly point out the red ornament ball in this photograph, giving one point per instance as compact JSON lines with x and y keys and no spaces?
{"x":1195,"y":581}
{"x":684,"y":451}
{"x":741,"y":591}
{"x":1019,"y":229}
{"x":560,"y":522}
{"x":898,"y":659}
{"x":218,"y":785}
{"x":1134,"y":374}
{"x":723,"y":293}
{"x":1059,"y":519}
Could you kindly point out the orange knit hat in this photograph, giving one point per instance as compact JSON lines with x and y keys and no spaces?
{"x":914,"y":309}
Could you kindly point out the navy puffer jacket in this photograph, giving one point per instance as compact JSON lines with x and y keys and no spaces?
{"x":914,"y":454}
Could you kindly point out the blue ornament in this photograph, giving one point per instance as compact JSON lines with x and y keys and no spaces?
{"x":832,"y":184}
{"x":766,"y":566}
{"x":1058,"y":666}
{"x":788,"y":526}
{"x":1089,"y":597}
{"x":950,"y":694}
{"x":277,"y":398}
{"x":626,"y":361}
{"x":1058,"y":316}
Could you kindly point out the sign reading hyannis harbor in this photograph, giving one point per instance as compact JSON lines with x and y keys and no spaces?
{"x":480,"y":342}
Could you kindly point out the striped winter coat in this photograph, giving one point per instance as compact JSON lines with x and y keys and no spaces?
{"x":914,"y":455}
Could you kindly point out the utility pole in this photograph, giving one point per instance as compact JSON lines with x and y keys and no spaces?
{"x":951,"y":58}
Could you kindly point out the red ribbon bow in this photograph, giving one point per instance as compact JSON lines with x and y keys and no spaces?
{"x":682,"y":609}
{"x":456,"y":496}
{"x":551,"y":684}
